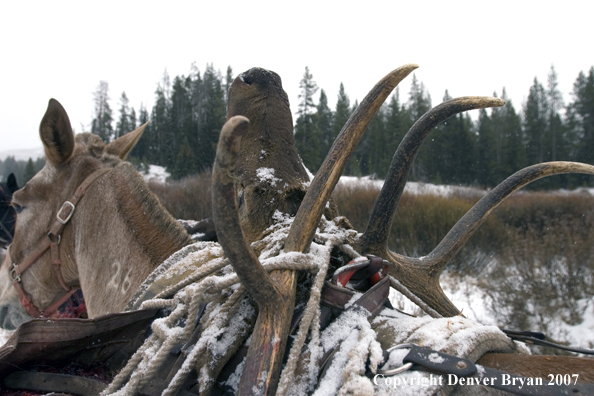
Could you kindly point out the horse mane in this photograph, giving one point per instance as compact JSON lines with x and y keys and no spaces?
{"x":148,"y":222}
{"x":159,"y":234}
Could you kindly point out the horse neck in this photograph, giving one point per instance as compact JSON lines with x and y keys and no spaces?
{"x":122,"y":233}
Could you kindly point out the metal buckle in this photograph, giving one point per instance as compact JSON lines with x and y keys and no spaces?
{"x":50,"y":235}
{"x":64,"y":205}
{"x":401,"y":369}
{"x":15,"y":268}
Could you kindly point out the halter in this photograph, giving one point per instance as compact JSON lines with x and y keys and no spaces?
{"x":52,"y":242}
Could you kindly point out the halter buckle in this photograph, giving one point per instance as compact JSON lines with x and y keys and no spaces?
{"x":13,"y":271}
{"x":69,"y":208}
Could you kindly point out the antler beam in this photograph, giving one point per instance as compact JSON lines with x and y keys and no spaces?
{"x":420,"y":276}
{"x":318,"y":194}
{"x":274,"y":294}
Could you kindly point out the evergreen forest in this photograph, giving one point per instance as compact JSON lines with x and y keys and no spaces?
{"x":189,"y":112}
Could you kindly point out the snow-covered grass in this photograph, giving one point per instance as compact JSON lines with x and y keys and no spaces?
{"x":414,"y":188}
{"x":156,"y":173}
{"x":23,"y":154}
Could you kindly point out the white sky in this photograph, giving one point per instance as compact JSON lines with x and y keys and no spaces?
{"x":62,"y":49}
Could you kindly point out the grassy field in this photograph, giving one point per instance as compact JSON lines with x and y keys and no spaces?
{"x":533,"y":258}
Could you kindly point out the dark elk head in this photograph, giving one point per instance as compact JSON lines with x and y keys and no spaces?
{"x":270,"y":174}
{"x":259,"y":135}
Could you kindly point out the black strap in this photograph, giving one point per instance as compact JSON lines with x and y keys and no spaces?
{"x":463,"y":372}
{"x":51,"y":382}
{"x":532,"y":337}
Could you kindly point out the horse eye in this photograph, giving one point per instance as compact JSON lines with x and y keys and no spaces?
{"x":17,"y":208}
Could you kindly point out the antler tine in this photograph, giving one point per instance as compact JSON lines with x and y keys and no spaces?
{"x":375,"y":238}
{"x":467,"y":225}
{"x":226,"y":219}
{"x":376,"y":235}
{"x":318,"y":194}
{"x":410,"y":271}
{"x":274,"y":294}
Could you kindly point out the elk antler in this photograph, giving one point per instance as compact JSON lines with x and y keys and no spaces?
{"x":275,"y":294}
{"x":313,"y":204}
{"x":420,"y":276}
{"x":245,"y":263}
{"x":275,"y":304}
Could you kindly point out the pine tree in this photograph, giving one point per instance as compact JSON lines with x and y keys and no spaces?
{"x":513,"y":147}
{"x":583,"y":95}
{"x":140,"y":155}
{"x":535,"y":124}
{"x":419,"y":103}
{"x":157,"y":152}
{"x":372,"y":150}
{"x":554,"y":124}
{"x":307,"y":139}
{"x":323,"y":126}
{"x":228,"y":82}
{"x":29,"y":171}
{"x":342,"y":112}
{"x":132,"y":119}
{"x":486,"y":157}
{"x":210,"y":117}
{"x":307,"y":89}
{"x":182,"y":126}
{"x":451,"y":151}
{"x":396,"y":128}
{"x":184,"y":163}
{"x":102,"y":122}
{"x":123,"y":125}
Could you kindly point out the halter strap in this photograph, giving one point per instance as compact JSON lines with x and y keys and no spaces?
{"x":52,"y":242}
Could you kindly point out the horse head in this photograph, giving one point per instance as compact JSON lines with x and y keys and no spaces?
{"x":85,"y":220}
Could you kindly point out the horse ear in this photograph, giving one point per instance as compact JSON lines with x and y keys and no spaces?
{"x":11,"y":182}
{"x":124,"y":144}
{"x":56,"y":133}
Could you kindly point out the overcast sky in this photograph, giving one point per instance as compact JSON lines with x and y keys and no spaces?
{"x":62,"y":49}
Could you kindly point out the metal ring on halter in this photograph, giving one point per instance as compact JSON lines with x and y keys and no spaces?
{"x":13,"y":271}
{"x":50,"y":235}
{"x":401,"y":369}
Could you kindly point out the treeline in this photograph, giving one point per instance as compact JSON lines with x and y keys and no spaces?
{"x":188,"y":114}
{"x":461,"y":151}
{"x":23,"y":170}
{"x":185,"y":121}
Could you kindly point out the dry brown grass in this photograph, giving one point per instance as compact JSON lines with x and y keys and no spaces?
{"x":188,"y":198}
{"x":542,"y":244}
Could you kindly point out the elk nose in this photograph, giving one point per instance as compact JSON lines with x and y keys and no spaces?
{"x":257,"y":75}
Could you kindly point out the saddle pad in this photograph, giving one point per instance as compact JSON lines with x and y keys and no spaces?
{"x":109,"y":339}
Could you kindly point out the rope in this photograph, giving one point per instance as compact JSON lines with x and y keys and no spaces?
{"x":312,"y":308}
{"x":214,"y":283}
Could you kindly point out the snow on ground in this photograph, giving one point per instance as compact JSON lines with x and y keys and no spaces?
{"x":23,"y":154}
{"x":5,"y":335}
{"x":415,"y":188}
{"x":156,"y":173}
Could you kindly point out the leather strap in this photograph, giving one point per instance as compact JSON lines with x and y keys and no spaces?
{"x":533,"y":337}
{"x":454,"y":369}
{"x":52,"y":242}
{"x":51,"y":382}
